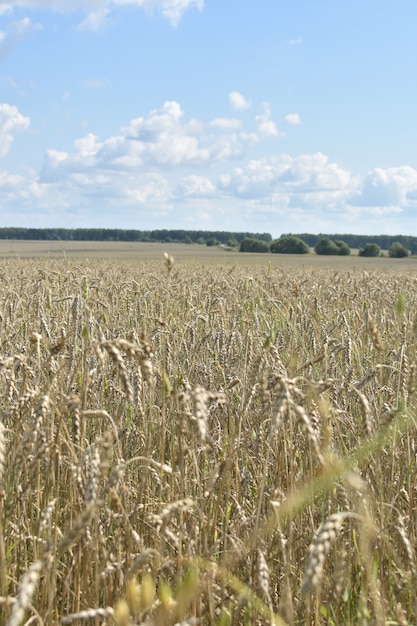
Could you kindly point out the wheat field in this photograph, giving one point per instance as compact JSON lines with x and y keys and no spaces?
{"x":206,"y":445}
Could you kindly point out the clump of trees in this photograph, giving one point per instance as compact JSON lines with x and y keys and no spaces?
{"x":342,"y":247}
{"x":328,"y":247}
{"x":356,"y":242}
{"x":370,"y":249}
{"x":397,"y":250}
{"x":289,"y":245}
{"x":253,"y":245}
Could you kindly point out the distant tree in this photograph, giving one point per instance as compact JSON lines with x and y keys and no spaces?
{"x":246,"y":245}
{"x":370,"y":249}
{"x":397,"y":250}
{"x":232,"y":242}
{"x":253,"y":245}
{"x":326,"y":247}
{"x":260,"y":246}
{"x":289,"y":245}
{"x":187,"y":239}
{"x":263,"y":237}
{"x":212,"y":241}
{"x":343,"y":248}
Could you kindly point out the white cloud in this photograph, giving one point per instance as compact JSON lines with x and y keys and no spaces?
{"x":194,"y":186}
{"x":295,"y":42}
{"x":238,"y":101}
{"x":149,"y":188}
{"x":266,"y":127}
{"x":225,"y":122}
{"x":161,"y":120}
{"x":56,"y":158}
{"x":11,"y":121}
{"x":293,"y":118}
{"x":97,"y":10}
{"x":160,"y":140}
{"x":287,"y":175}
{"x":162,"y":162}
{"x":392,"y":187}
{"x":172,"y":10}
{"x":9,"y":182}
{"x":310,"y":193}
{"x":314,"y":172}
{"x":88,"y":146}
{"x":155,"y":161}
{"x":233,"y":146}
{"x":16,"y":31}
{"x":95,"y":20}
{"x":25,"y":26}
{"x":18,"y":191}
{"x":306,"y":193}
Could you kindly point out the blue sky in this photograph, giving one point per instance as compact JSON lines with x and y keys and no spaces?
{"x":259,"y":115}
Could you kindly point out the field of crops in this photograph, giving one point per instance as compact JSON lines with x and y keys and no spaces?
{"x":207,"y":444}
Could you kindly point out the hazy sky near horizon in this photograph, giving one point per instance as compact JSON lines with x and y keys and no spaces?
{"x":242,"y":115}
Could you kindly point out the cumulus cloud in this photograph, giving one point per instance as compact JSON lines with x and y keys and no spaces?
{"x":149,"y":188}
{"x":287,"y":175}
{"x":266,"y":127}
{"x":97,"y":10}
{"x":238,"y":101}
{"x":17,"y":191}
{"x":163,"y":139}
{"x":158,"y":160}
{"x":11,"y":121}
{"x":194,"y":186}
{"x":56,"y":201}
{"x":163,"y":161}
{"x":10,"y":182}
{"x":311,"y":185}
{"x":392,"y":187}
{"x":293,"y":119}
{"x":307,"y":192}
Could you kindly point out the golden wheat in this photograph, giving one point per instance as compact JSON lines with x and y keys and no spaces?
{"x":172,"y":436}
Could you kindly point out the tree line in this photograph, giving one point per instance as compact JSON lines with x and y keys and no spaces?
{"x":247,"y":242}
{"x":118,"y":234}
